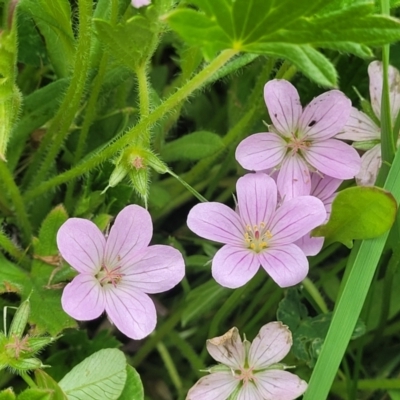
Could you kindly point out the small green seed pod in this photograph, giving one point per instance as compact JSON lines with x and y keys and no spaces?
{"x":20,"y":320}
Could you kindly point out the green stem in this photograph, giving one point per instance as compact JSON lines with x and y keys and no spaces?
{"x":10,"y":187}
{"x":170,"y":366}
{"x":30,"y":382}
{"x":87,"y":122}
{"x":13,"y":250}
{"x":315,"y":295}
{"x":108,"y":152}
{"x":59,"y":127}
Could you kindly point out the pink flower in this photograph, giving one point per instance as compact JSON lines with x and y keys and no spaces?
{"x":258,"y":233}
{"x":301,"y":140}
{"x":140,"y":3}
{"x":361,"y":128}
{"x":250,"y":370}
{"x":116,"y":273}
{"x":324,"y":188}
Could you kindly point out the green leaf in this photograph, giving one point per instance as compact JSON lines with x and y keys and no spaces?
{"x":133,"y":388}
{"x":36,"y":394}
{"x":102,"y":373}
{"x":47,"y":244}
{"x":45,"y":381}
{"x":54,"y":21}
{"x":7,"y":394}
{"x":194,"y":146}
{"x":358,"y":213}
{"x":13,"y":279}
{"x":128,"y":43}
{"x":202,"y":299}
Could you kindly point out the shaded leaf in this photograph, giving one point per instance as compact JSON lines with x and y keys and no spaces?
{"x":133,"y":388}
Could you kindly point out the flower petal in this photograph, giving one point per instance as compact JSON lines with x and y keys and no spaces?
{"x":310,"y":246}
{"x":286,"y":265}
{"x":370,"y":163}
{"x":293,"y":178}
{"x":334,"y":158}
{"x":228,"y":349}
{"x":323,"y":187}
{"x":284,"y":107}
{"x":257,"y":198}
{"x":132,"y":311}
{"x":359,"y":127}
{"x":159,"y":268}
{"x":83,"y":298}
{"x":131,"y":232}
{"x":81,"y":244}
{"x":270,"y":346}
{"x":261,"y":151}
{"x":216,"y":221}
{"x":325,"y":116}
{"x":280,"y":385}
{"x":234,"y":266}
{"x":375,"y":72}
{"x":216,"y":386}
{"x":295,"y":218}
{"x":249,"y":391}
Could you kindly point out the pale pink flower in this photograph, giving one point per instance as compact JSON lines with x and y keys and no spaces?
{"x":116,"y":272}
{"x":300,"y":140}
{"x":250,"y":371}
{"x":324,"y":188}
{"x":361,"y":128}
{"x":140,"y":3}
{"x":258,"y":232}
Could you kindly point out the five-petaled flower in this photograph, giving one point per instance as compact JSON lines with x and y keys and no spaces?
{"x":362,"y":128}
{"x":258,"y":232}
{"x":300,"y":140}
{"x":116,"y":273}
{"x":250,"y":370}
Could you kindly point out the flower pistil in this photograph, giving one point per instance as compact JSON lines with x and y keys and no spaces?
{"x":257,"y":237}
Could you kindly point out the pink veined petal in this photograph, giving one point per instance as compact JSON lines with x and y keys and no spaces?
{"x":234,"y":266}
{"x":323,"y":187}
{"x":286,"y":265}
{"x":325,"y":116}
{"x":284,"y":107}
{"x":216,"y":221}
{"x":280,"y":385}
{"x":293,"y":178}
{"x":334,"y":158}
{"x":359,"y":127}
{"x":375,"y":72}
{"x":310,"y":246}
{"x":295,"y":218}
{"x":228,"y":349}
{"x":83,"y":298}
{"x":249,"y":391}
{"x":270,"y":346}
{"x":370,"y":163}
{"x":261,"y":151}
{"x":132,"y":311}
{"x":81,"y":244}
{"x":131,"y":233}
{"x":159,"y":269}
{"x":216,"y":386}
{"x":257,"y":198}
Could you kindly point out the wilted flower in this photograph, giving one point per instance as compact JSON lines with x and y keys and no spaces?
{"x":361,"y":128}
{"x":258,"y":232}
{"x":300,"y":140}
{"x":140,"y":3}
{"x":116,"y":273}
{"x":250,"y":371}
{"x":324,"y":188}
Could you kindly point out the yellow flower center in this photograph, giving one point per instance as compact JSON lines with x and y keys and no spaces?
{"x":257,"y":237}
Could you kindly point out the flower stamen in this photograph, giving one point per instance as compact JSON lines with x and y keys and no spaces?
{"x":257,"y":237}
